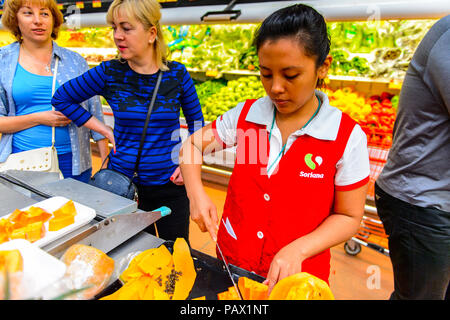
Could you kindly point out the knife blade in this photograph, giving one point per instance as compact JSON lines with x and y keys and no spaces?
{"x":229,"y":272}
{"x":115,"y":230}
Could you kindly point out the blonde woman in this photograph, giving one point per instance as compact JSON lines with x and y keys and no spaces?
{"x":127,"y":84}
{"x":28,"y":65}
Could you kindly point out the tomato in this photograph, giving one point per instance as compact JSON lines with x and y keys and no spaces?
{"x":372,"y":119}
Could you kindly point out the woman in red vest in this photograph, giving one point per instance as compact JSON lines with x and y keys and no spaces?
{"x":299,"y":181}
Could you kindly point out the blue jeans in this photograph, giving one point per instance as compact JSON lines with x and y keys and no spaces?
{"x":65,"y":165}
{"x":419,"y":248}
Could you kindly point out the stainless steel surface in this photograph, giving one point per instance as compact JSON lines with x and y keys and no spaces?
{"x":33,"y":178}
{"x":229,"y":272}
{"x":115,"y":230}
{"x":24,"y":185}
{"x":59,"y":246}
{"x":105,"y":203}
{"x":11,"y":199}
{"x":118,"y":235}
{"x":106,"y":234}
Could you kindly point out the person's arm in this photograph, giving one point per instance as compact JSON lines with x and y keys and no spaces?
{"x":190,"y":104}
{"x":203,"y":211}
{"x":96,"y":109}
{"x":214,"y":137}
{"x":94,"y":124}
{"x":12,"y":124}
{"x":192,"y":112}
{"x":68,"y":97}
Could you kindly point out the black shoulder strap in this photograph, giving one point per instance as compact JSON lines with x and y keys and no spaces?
{"x":144,"y":133}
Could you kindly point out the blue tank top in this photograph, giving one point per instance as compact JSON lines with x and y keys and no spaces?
{"x":32,"y":93}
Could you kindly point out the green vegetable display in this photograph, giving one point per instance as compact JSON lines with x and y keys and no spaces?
{"x":212,"y":47}
{"x":208,"y":88}
{"x":222,"y":48}
{"x":229,"y":96}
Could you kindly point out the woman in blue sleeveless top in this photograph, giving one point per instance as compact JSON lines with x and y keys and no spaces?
{"x":28,"y":65}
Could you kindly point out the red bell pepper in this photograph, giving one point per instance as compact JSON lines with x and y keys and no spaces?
{"x":386,"y":95}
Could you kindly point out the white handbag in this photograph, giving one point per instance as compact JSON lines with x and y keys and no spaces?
{"x":40,"y":159}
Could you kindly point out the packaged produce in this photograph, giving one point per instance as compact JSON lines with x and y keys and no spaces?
{"x":87,"y":268}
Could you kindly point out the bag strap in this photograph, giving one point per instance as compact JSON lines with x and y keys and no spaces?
{"x":53,"y":92}
{"x":144,"y":133}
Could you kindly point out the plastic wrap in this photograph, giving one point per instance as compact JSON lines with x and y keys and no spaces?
{"x":88,"y":271}
{"x":12,"y":286}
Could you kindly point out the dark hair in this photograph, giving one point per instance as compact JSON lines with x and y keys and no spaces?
{"x":299,"y":21}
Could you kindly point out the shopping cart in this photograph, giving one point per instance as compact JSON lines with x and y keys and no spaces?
{"x":371,"y":232}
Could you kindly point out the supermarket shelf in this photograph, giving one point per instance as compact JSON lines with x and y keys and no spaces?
{"x":202,"y":75}
{"x":364,"y":79}
{"x":199,"y":74}
{"x":339,"y":10}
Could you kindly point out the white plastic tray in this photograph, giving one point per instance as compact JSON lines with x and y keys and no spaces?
{"x":84,"y":215}
{"x":40,"y":269}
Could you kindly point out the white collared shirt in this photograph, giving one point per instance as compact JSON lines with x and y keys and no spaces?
{"x":351,"y":168}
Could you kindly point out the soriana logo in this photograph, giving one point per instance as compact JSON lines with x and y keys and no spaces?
{"x":313,"y":162}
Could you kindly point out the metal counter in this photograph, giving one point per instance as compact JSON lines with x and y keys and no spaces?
{"x":19,"y":189}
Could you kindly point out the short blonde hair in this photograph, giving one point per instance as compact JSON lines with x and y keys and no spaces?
{"x":147,"y":12}
{"x":11,"y":7}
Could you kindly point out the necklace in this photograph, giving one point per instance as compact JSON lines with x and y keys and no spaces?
{"x":284,"y":147}
{"x":45,"y":65}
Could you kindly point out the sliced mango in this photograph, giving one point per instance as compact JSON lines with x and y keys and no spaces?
{"x":66,"y":209}
{"x":58,"y":223}
{"x":35,"y":231}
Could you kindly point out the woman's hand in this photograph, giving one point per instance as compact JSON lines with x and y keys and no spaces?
{"x":286,"y":262}
{"x":53,"y":119}
{"x":204,"y":213}
{"x":94,"y":124}
{"x":109,"y":134}
{"x":177,"y":177}
{"x":13,"y":124}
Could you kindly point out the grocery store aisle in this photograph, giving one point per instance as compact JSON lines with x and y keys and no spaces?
{"x":367,"y":276}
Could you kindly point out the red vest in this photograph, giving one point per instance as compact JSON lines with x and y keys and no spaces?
{"x":267,"y":213}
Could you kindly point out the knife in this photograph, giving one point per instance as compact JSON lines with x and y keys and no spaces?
{"x":115,"y":230}
{"x":229,"y":272}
